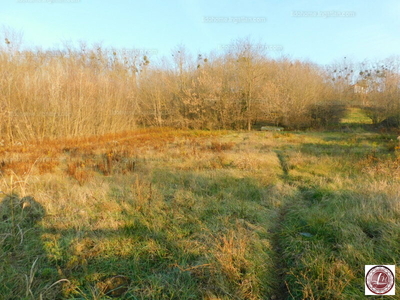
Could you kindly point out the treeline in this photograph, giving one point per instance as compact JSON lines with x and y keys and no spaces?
{"x":371,"y":85}
{"x":81,"y":90}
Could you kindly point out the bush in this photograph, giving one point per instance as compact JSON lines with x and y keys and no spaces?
{"x":376,"y":114}
{"x":392,"y":121}
{"x":326,"y":114}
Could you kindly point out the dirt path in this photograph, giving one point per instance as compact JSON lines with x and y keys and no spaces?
{"x":281,"y":290}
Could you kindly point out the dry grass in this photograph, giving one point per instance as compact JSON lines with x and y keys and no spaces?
{"x":109,"y":199}
{"x":197,"y":215}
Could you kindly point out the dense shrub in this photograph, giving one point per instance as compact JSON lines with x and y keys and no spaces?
{"x":326,"y":114}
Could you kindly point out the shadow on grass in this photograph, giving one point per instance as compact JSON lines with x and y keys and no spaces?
{"x":25,"y":272}
{"x":194,"y":236}
{"x":49,"y":263}
{"x":226,"y":217}
{"x":336,"y":150}
{"x":327,"y":236}
{"x":132,"y":262}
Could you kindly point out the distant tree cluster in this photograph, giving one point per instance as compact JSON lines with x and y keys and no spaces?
{"x":84,"y":90}
{"x":373,"y":86}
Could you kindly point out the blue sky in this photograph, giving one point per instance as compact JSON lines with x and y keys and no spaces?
{"x":300,"y":29}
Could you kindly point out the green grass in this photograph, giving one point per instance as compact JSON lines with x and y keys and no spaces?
{"x":201,"y":215}
{"x":356,"y":116}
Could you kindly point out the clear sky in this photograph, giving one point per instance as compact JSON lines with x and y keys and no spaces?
{"x":320,"y":31}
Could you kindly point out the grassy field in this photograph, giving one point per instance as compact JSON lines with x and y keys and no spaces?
{"x":167,"y":214}
{"x":355,"y":116}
